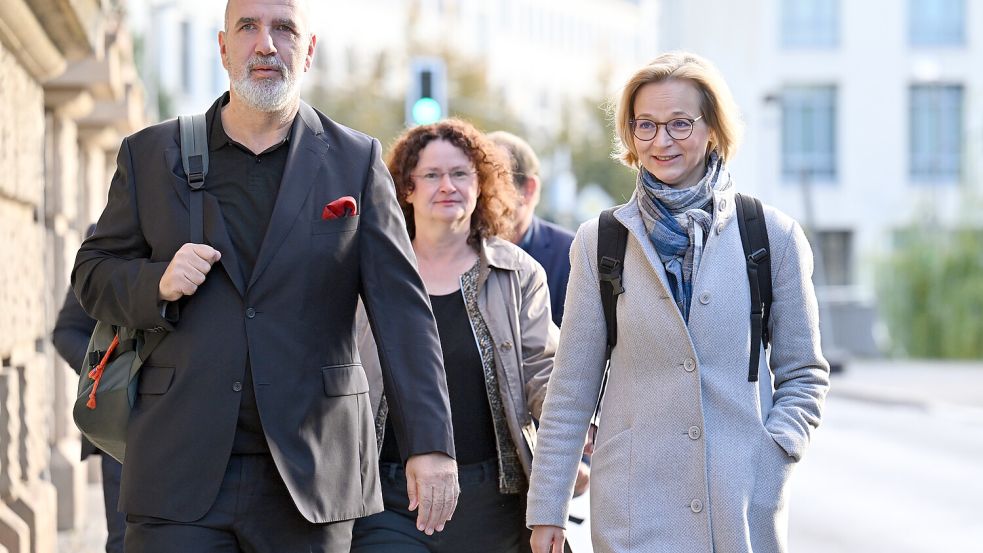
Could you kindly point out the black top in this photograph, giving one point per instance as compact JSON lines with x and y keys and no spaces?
{"x":474,"y":431}
{"x":245,"y":185}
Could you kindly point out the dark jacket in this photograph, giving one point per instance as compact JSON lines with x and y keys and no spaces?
{"x":71,"y":339}
{"x":549,"y":244}
{"x":294,"y":317}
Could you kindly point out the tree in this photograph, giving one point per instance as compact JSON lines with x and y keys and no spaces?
{"x":931,"y":294}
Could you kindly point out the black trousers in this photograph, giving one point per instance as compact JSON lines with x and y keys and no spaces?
{"x":115,"y":523}
{"x":485,"y":521}
{"x":252,"y":514}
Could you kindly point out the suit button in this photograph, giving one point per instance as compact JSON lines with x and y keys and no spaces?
{"x":506,"y":346}
{"x":694,"y":432}
{"x":696,"y":505}
{"x":237,"y":386}
{"x":689,"y":365}
{"x":705,"y":298}
{"x":250,"y":312}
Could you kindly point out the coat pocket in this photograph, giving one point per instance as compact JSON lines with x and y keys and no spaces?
{"x":344,"y":380}
{"x":155,"y":380}
{"x":333,"y":226}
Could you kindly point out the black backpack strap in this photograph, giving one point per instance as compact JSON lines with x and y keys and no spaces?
{"x":754,"y":239}
{"x":612,"y":239}
{"x":194,"y":156}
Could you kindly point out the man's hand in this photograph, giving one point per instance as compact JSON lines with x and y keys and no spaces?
{"x":186,"y":271}
{"x":583,"y":479}
{"x":547,"y":539}
{"x":431,"y":485}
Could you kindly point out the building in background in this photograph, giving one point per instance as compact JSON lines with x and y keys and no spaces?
{"x":862,"y":117}
{"x":68,"y":94}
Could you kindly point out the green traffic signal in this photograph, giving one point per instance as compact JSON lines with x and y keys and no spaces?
{"x":426,"y":111}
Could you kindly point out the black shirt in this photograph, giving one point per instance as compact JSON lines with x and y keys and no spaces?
{"x":245,"y":185}
{"x":474,"y":431}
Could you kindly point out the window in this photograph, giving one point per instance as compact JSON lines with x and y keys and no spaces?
{"x":935,"y":131}
{"x":937,"y":22}
{"x":836,"y":252}
{"x":809,"y":132}
{"x":810,"y":23}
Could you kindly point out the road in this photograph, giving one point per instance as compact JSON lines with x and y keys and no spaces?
{"x":883,"y":477}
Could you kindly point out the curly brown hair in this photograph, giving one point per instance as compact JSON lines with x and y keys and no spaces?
{"x":496,"y":196}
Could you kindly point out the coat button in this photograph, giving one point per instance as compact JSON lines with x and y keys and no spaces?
{"x":694,"y":432}
{"x":237,"y":386}
{"x":696,"y":505}
{"x":506,"y":345}
{"x":689,"y":365}
{"x":705,"y":298}
{"x":720,"y":228}
{"x":250,"y":313}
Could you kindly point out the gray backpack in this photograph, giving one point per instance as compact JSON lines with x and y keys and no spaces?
{"x":109,"y":375}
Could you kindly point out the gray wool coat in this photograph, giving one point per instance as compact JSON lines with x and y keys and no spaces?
{"x":690,"y":456}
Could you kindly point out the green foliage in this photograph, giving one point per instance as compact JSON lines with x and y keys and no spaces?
{"x":931,"y":293}
{"x":363,"y":104}
{"x":590,"y":152}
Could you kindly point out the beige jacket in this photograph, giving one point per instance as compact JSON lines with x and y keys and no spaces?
{"x":514,"y":301}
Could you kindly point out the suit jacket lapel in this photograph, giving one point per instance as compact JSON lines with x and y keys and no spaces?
{"x":216,"y":234}
{"x":304,"y":162}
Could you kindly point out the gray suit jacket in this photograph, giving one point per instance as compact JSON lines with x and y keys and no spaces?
{"x":295,"y":318}
{"x":690,"y":456}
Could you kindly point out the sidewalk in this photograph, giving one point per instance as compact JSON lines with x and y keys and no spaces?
{"x":925,"y":384}
{"x":917,"y":383}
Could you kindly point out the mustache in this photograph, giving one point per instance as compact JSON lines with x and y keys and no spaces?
{"x":266,"y":61}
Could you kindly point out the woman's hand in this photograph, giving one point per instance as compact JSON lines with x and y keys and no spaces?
{"x":547,"y":539}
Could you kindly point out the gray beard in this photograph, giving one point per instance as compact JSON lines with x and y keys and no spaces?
{"x":266,"y":95}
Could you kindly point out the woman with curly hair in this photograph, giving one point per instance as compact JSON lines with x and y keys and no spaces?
{"x":492,"y":307}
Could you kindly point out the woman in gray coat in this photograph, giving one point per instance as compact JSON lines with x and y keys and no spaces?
{"x":689,"y":456}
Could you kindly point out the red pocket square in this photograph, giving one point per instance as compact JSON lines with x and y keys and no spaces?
{"x":342,"y":207}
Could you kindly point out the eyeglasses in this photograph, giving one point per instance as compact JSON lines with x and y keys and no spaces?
{"x":679,"y":128}
{"x":458,"y":176}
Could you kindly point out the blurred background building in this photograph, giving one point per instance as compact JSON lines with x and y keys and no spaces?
{"x":69,"y":92}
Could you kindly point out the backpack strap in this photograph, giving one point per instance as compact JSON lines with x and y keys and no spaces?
{"x":754,"y":239}
{"x":612,"y":239}
{"x":194,"y":156}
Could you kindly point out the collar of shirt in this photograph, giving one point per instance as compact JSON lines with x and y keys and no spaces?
{"x":218,"y":138}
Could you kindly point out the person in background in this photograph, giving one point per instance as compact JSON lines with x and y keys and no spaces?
{"x":547,"y":243}
{"x":71,"y":334}
{"x":492,"y":307}
{"x":690,"y":455}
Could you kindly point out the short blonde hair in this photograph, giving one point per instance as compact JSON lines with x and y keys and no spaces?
{"x":717,"y":105}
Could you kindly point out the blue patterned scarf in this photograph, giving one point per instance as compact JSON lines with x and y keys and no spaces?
{"x":678,"y":222}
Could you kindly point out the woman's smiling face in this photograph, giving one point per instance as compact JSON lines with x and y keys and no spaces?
{"x":678,"y":163}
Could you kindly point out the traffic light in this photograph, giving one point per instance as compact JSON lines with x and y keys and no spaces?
{"x":426,"y":98}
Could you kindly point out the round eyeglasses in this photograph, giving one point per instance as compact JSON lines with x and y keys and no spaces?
{"x":679,"y":128}
{"x":458,"y":176}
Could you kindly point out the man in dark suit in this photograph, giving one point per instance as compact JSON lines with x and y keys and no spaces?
{"x":251,"y":429}
{"x":71,"y":338}
{"x":547,"y":243}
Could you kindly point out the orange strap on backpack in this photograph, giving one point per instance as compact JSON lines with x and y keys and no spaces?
{"x":96,"y":373}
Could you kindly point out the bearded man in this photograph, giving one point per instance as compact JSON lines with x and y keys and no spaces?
{"x":251,"y":428}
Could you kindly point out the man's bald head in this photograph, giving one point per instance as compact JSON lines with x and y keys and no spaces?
{"x":302,"y":6}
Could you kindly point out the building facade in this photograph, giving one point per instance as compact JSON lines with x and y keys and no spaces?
{"x":68,"y":93}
